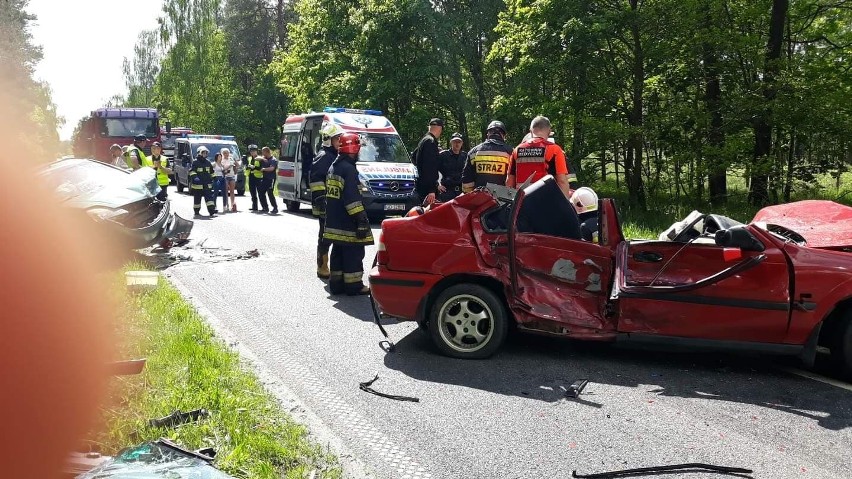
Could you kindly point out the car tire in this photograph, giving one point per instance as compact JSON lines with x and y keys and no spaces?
{"x":463,"y":303}
{"x":179,"y":187}
{"x":841,"y":353}
{"x":293,"y":205}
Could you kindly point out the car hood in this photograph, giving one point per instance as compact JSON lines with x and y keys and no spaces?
{"x":87,"y":183}
{"x":824,"y":224}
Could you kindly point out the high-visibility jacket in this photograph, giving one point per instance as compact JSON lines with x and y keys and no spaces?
{"x":143,"y":160}
{"x":319,"y":171}
{"x":257,"y":163}
{"x":162,"y":178}
{"x":537,"y":157}
{"x":345,"y":216}
{"x":201,"y":174}
{"x":487,"y":162}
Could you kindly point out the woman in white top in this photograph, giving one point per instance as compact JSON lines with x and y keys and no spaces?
{"x":229,"y":167}
{"x":219,"y":182}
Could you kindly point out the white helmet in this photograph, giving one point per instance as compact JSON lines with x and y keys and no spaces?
{"x":584,"y":200}
{"x":329,"y":131}
{"x":202,"y":149}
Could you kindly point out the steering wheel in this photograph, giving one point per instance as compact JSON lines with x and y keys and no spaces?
{"x":682,"y":237}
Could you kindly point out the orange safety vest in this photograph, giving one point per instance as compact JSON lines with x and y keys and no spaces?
{"x":537,"y":158}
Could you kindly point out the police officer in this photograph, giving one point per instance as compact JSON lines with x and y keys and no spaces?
{"x":331,"y":134}
{"x":269,"y":168}
{"x":161,"y":165}
{"x":538,"y":156}
{"x":450,"y":165}
{"x":134,"y":157}
{"x":346,"y":223}
{"x":201,"y":182}
{"x":488,"y":162}
{"x":426,"y":160}
{"x":255,"y":175}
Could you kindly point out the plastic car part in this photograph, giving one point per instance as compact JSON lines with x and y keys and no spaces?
{"x":576,"y":388}
{"x":655,"y":470}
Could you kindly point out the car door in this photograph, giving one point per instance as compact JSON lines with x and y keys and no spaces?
{"x":182,"y":165}
{"x":286,"y":174}
{"x":307,"y":144}
{"x":700,"y":290}
{"x":559,"y":284}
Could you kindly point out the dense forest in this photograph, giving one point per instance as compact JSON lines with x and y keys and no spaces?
{"x":691,"y":100}
{"x":24,"y":98}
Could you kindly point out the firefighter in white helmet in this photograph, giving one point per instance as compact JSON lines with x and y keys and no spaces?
{"x":585,"y":201}
{"x":331,"y":134}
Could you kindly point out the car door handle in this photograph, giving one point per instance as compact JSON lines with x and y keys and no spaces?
{"x":647,"y":257}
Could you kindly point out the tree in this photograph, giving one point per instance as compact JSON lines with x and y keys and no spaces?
{"x":140,"y":72}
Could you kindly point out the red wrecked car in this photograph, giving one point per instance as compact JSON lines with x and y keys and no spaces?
{"x":470,"y":268}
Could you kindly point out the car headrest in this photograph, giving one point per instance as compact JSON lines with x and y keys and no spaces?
{"x":547,"y":211}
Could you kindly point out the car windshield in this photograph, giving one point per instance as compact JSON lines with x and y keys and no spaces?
{"x":382,"y":148}
{"x":214,"y":148}
{"x":76,"y":178}
{"x":126,"y":127}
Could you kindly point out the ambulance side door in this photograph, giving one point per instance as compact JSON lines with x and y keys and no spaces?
{"x":287,"y":158}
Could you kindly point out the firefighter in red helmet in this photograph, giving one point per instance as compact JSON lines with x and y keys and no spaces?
{"x":347,"y":227}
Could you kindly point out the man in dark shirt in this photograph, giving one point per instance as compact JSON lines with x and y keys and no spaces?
{"x":488,"y":162}
{"x":426,"y":161}
{"x":450,"y":166}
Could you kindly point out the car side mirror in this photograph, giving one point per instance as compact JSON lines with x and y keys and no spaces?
{"x":738,"y":237}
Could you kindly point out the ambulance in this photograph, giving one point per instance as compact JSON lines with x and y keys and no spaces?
{"x":386,"y":174}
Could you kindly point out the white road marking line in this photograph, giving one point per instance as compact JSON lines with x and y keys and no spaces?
{"x":820,"y":378}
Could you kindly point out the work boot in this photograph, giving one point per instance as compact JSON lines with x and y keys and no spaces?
{"x":364,"y":291}
{"x":322,"y":267}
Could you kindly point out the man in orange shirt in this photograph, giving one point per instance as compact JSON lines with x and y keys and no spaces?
{"x":538,"y":157}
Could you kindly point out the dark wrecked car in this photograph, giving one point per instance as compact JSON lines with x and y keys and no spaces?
{"x":469,"y":268}
{"x":121,"y":202}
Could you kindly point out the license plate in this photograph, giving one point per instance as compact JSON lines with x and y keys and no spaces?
{"x":394,"y":207}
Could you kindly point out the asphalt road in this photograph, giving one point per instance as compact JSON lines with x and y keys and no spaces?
{"x":506,"y":417}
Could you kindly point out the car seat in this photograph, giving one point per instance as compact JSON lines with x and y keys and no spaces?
{"x":547,"y":211}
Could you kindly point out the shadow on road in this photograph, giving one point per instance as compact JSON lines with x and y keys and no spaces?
{"x":542,"y":368}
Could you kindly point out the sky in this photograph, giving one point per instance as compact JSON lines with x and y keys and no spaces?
{"x":84,"y":43}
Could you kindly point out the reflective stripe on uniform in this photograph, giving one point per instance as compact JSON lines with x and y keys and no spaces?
{"x":353,"y":277}
{"x":354,"y":208}
{"x":345,"y":236}
{"x":318,"y":186}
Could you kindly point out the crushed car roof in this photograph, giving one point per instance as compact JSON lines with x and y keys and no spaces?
{"x":822,"y":223}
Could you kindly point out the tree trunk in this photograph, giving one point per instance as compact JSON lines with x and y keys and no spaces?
{"x":791,"y":155}
{"x":603,"y":165}
{"x":635,"y":185}
{"x":718,"y":174}
{"x":758,"y":194}
{"x":281,"y":23}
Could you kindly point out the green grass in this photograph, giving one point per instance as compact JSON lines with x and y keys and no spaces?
{"x":189,"y":368}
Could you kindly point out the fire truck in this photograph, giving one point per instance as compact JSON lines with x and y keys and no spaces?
{"x":108,"y":126}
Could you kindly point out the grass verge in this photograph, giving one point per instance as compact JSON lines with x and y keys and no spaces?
{"x":189,"y":368}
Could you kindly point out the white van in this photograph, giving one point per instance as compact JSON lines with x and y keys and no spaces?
{"x":384,"y":166}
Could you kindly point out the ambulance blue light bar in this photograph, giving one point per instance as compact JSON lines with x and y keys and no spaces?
{"x":333,"y":109}
{"x":212,"y":137}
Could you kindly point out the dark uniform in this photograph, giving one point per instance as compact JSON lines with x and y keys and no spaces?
{"x":346,"y":227}
{"x":267,"y":185}
{"x":255,"y":178}
{"x":488,"y":162}
{"x":427,"y":163}
{"x":201,"y":184}
{"x":451,"y":166}
{"x":319,"y":171}
{"x":589,"y":226}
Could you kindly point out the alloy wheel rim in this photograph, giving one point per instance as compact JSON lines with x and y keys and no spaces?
{"x":465,"y":323}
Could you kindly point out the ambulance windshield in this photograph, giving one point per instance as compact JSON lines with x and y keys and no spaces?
{"x":382,"y":148}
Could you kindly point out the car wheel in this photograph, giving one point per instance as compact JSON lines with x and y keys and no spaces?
{"x":468,"y":321}
{"x":841,"y":354}
{"x":293,"y":205}
{"x":179,"y":187}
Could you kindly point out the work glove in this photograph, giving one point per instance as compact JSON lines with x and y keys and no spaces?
{"x":363,"y":225}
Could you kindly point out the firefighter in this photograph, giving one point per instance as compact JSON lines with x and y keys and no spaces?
{"x":269,"y":168}
{"x":488,"y":162}
{"x":585,"y":201}
{"x":255,"y":175}
{"x":331,"y":134}
{"x":450,"y":165}
{"x":346,"y":225}
{"x":537,"y":157}
{"x":201,"y":182}
{"x":134,"y":157}
{"x":161,"y":165}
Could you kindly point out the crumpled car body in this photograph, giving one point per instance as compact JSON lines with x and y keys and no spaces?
{"x":122,"y":203}
{"x":709,"y":282}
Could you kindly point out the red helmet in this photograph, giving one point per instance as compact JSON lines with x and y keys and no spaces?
{"x":350,"y":144}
